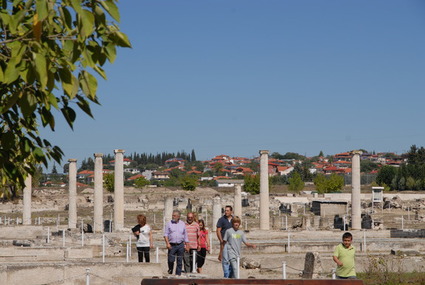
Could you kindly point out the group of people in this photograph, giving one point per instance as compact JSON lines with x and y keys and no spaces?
{"x":183,"y":239}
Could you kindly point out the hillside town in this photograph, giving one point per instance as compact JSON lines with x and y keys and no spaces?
{"x":215,"y":171}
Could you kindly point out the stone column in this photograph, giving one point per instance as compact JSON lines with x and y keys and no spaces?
{"x":216,"y":212}
{"x":26,"y":214}
{"x":264,"y":190}
{"x":237,"y":210}
{"x":72,"y":207}
{"x":168,"y":210}
{"x":119,"y":190}
{"x":98,"y":193}
{"x":355,"y":192}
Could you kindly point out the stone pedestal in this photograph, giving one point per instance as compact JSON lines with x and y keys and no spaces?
{"x":237,"y":208}
{"x":264,"y":190}
{"x":355,"y":192}
{"x":119,"y":190}
{"x":98,"y":193}
{"x":216,"y":212}
{"x":26,"y":214}
{"x":72,"y":208}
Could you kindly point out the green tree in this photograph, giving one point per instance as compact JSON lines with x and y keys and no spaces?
{"x":332,"y":183}
{"x":193,"y":156}
{"x":189,"y":182}
{"x":320,"y":183}
{"x":335,"y":182}
{"x":252,"y":184}
{"x":48,"y":51}
{"x":321,"y":154}
{"x":411,"y":183}
{"x":141,"y":182}
{"x":296,"y":183}
{"x":386,"y":174}
{"x":218,"y":168}
{"x":367,"y":166}
{"x":109,"y":181}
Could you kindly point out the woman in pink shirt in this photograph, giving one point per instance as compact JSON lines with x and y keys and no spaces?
{"x":204,"y":245}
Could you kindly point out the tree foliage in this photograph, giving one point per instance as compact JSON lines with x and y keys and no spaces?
{"x":141,"y":182}
{"x":109,"y":181}
{"x":189,"y":182}
{"x":295,"y":182}
{"x":329,"y":184}
{"x":49,"y":53}
{"x":409,"y":176}
{"x":252,"y":184}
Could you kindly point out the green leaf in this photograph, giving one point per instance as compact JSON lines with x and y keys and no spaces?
{"x":69,"y":115}
{"x":41,"y":69}
{"x":9,"y":102}
{"x":53,"y":100}
{"x":1,"y":74}
{"x":12,"y":72}
{"x":84,"y":105}
{"x":111,"y":52}
{"x":27,"y":145}
{"x":100,"y":71}
{"x":99,"y":16}
{"x":111,"y":8}
{"x":88,"y":84}
{"x":27,"y":73}
{"x":7,"y":140}
{"x":47,"y":118}
{"x":41,"y":8}
{"x":66,"y":17}
{"x":66,"y":79}
{"x":121,"y":39}
{"x":76,"y":4}
{"x":87,"y":22}
{"x":28,"y":104}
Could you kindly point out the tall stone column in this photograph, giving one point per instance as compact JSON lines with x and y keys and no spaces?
{"x":119,"y":190}
{"x":26,"y":214}
{"x":72,"y":208}
{"x":168,"y":210}
{"x":355,"y":192}
{"x":98,"y":193}
{"x":216,"y":212}
{"x":264,"y":190}
{"x":237,"y":209}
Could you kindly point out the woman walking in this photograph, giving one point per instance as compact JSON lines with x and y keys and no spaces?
{"x":143,"y":233}
{"x":204,"y":245}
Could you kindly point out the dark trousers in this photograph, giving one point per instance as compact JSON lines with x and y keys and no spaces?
{"x":188,"y":260}
{"x":144,"y":251}
{"x":176,"y":251}
{"x":200,"y":258}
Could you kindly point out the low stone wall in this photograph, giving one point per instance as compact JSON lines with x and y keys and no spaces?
{"x":75,"y":273}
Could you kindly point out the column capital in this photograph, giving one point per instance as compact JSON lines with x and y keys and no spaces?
{"x":119,"y":151}
{"x":72,"y":160}
{"x":354,"y":152}
{"x":98,"y":154}
{"x":264,"y":152}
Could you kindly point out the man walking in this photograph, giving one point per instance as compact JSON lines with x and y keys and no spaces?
{"x":192,"y":230}
{"x":223,"y":224}
{"x":175,"y":237}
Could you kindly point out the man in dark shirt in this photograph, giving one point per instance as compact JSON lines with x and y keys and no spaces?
{"x":223,"y":224}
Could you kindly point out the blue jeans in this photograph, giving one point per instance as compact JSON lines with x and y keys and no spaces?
{"x":176,"y":250}
{"x":225,"y":262}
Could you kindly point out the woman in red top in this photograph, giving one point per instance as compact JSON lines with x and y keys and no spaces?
{"x":204,"y":244}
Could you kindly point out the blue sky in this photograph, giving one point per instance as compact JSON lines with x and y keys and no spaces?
{"x":234,"y":77}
